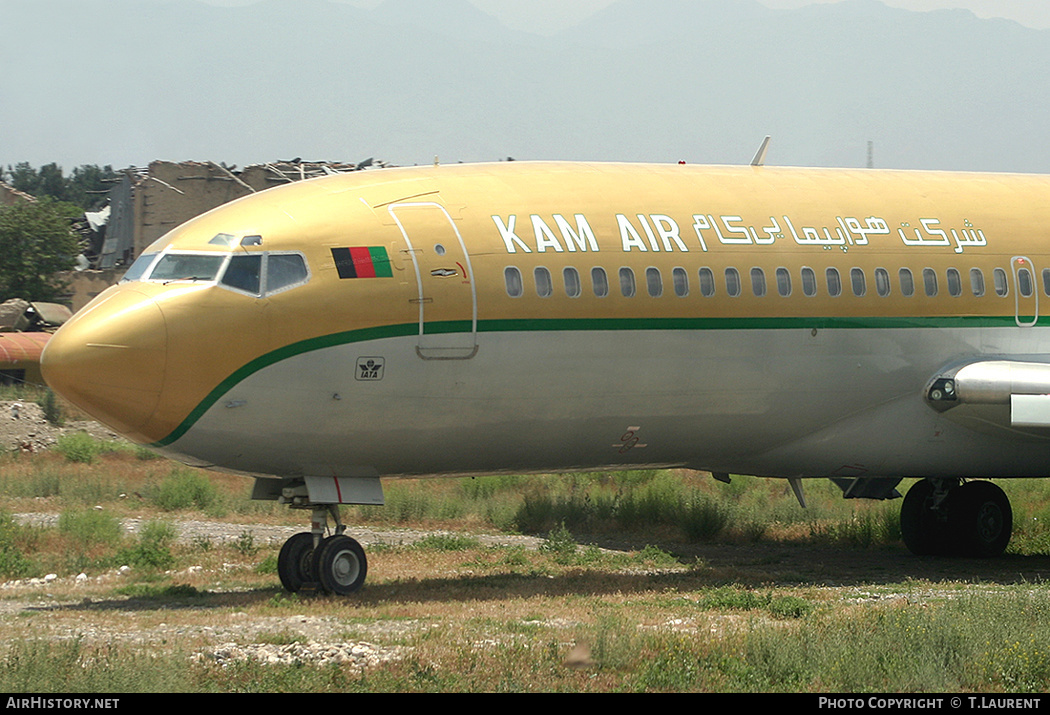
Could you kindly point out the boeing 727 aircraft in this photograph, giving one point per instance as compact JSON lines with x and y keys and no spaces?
{"x":865,"y":326}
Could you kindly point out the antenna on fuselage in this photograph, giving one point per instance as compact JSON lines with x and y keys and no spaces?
{"x":760,"y":155}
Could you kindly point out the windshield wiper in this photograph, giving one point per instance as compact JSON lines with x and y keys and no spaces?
{"x":187,"y":278}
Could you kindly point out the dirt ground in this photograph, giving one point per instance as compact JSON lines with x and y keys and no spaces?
{"x":237,"y":624}
{"x":23,"y":427}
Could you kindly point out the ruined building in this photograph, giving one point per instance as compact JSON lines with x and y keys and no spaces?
{"x":10,"y":195}
{"x":148,"y":202}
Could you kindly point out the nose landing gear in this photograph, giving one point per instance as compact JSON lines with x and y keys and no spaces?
{"x":309,"y":561}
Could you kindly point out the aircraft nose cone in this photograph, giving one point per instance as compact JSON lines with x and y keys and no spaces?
{"x":109,"y":360}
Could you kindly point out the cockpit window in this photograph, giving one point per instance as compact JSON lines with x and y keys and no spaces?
{"x":284,"y":270}
{"x":268,"y":273}
{"x":223,"y":239}
{"x":253,"y":273}
{"x":187,"y":267}
{"x":139,"y":267}
{"x":244,"y":273}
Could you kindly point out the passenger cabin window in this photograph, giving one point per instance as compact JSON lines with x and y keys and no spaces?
{"x":758,"y":282}
{"x":1046,"y":281}
{"x":907,"y":282}
{"x":572,"y":282}
{"x":544,"y":286}
{"x":707,"y":282}
{"x":834,"y":282}
{"x":1002,"y":288}
{"x":600,"y":282}
{"x":1025,"y":284}
{"x":929,"y":281}
{"x":654,"y":282}
{"x":954,"y":283}
{"x":882,"y":282}
{"x":681,"y":282}
{"x":977,"y":282}
{"x":783,"y":282}
{"x":809,"y":282}
{"x":858,"y":282}
{"x":732,"y":282}
{"x":512,"y":277}
{"x":627,"y":286}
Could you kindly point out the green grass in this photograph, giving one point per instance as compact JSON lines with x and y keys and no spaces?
{"x":90,"y":527}
{"x":14,"y":545}
{"x":82,"y":447}
{"x":972,"y":643}
{"x":154,"y":547}
{"x":35,"y":666}
{"x":502,"y":619}
{"x":446,"y":542}
{"x":670,"y":506}
{"x":185,"y":489}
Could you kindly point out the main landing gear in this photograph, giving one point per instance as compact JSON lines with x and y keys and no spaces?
{"x":310,"y":561}
{"x":944,"y":517}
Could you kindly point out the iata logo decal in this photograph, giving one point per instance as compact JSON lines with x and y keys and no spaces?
{"x":369,"y":368}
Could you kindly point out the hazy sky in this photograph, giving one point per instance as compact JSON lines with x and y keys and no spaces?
{"x":1002,"y":106}
{"x":548,"y":16}
{"x":1033,"y":13}
{"x":529,"y":14}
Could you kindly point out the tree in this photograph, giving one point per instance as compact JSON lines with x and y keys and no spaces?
{"x":36,"y":242}
{"x":86,"y":186}
{"x":23,"y":177}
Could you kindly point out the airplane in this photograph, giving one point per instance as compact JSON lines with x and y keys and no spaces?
{"x":867,"y":326}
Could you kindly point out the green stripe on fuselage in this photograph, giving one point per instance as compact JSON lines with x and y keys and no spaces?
{"x":583,"y":325}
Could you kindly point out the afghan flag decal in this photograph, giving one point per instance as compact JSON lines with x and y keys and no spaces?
{"x":362,"y":262}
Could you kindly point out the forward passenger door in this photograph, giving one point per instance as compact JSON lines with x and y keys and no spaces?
{"x":447,"y":297}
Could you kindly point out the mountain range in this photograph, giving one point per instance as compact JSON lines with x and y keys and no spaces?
{"x":124,"y":82}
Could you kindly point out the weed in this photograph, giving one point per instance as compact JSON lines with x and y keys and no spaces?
{"x":729,"y":598}
{"x":154,"y":548}
{"x":186,"y":489}
{"x":790,"y":607}
{"x":90,"y":527}
{"x":78,"y":447}
{"x":514,"y":557}
{"x":13,"y":562}
{"x":52,"y":408}
{"x":245,"y":544}
{"x":560,"y":544}
{"x":284,"y":599}
{"x":704,"y":518}
{"x":268,"y":565}
{"x":160,"y":592}
{"x":447,"y":542}
{"x":656,"y":557}
{"x":144,"y":454}
{"x":36,"y":666}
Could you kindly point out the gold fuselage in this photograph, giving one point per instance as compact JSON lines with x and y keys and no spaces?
{"x":149,"y":358}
